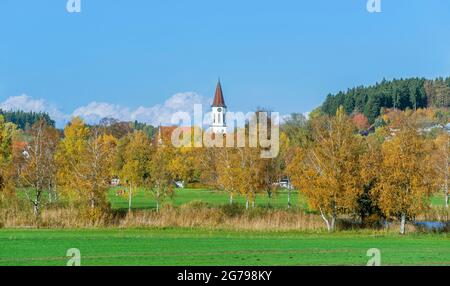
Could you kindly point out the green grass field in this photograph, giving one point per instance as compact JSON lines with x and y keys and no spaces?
{"x":144,"y":200}
{"x":221,"y":248}
{"x":200,"y":247}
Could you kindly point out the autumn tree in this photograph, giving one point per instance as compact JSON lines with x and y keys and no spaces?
{"x":85,"y":159}
{"x":328,"y":172}
{"x":161,"y":181}
{"x":37,"y":167}
{"x":7,"y":131}
{"x":228,"y":171}
{"x":249,"y":173}
{"x":407,"y":178}
{"x":441,"y":162}
{"x":370,"y":166}
{"x":137,"y":155}
{"x":361,"y":122}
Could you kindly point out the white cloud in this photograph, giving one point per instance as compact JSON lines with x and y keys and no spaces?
{"x":93,"y":112}
{"x":27,"y":103}
{"x":155,"y":115}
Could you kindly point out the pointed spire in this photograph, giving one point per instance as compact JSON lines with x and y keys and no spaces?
{"x":218,"y":97}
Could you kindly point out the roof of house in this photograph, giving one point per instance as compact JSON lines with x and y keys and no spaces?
{"x":164,"y":134}
{"x":218,"y":97}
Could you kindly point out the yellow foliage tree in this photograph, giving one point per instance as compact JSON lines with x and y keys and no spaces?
{"x":85,"y":159}
{"x":407,"y":178}
{"x":136,"y":156}
{"x":441,"y":161}
{"x":161,"y":178}
{"x":328,"y":172}
{"x":36,"y":165}
{"x":7,"y":131}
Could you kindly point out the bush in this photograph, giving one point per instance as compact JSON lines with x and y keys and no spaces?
{"x":233,"y":210}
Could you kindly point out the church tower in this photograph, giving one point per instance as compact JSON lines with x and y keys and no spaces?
{"x":219,"y":111}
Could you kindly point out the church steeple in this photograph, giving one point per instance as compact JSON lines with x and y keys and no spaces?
{"x":218,"y":97}
{"x":219,"y":110}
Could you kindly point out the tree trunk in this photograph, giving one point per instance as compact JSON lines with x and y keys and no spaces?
{"x":269,"y":202}
{"x":333,"y":223}
{"x":36,"y":209}
{"x":326,"y":220}
{"x":446,"y":199}
{"x":446,"y":191}
{"x":289,"y":199}
{"x":157,"y":206}
{"x":130,"y":195}
{"x":37,"y":203}
{"x":247,"y":204}
{"x":231,"y":198}
{"x":403,"y":223}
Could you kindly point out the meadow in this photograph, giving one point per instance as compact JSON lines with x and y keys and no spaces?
{"x":144,"y":200}
{"x":199,"y":247}
{"x":196,"y":244}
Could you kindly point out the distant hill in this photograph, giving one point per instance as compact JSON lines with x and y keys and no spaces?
{"x":410,"y":93}
{"x":24,"y":120}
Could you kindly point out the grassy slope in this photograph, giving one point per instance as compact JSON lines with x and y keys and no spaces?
{"x":203,"y":247}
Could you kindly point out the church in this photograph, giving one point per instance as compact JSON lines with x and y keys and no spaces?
{"x":218,"y":120}
{"x":218,"y":112}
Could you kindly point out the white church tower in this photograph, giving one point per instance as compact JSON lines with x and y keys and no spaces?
{"x":219,"y":111}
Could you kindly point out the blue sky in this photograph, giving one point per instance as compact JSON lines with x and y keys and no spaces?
{"x":287,"y":55}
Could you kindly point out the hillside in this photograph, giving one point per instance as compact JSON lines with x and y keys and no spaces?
{"x":410,"y":93}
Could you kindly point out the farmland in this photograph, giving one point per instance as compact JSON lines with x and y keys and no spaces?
{"x":218,"y":247}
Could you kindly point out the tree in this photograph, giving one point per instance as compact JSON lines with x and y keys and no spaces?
{"x":228,"y":171}
{"x":248,"y":173}
{"x":297,"y":129}
{"x":328,"y":172}
{"x":85,"y":163}
{"x":137,"y":155}
{"x":361,"y":122}
{"x":441,"y":161}
{"x":37,"y":170}
{"x":406,"y":180}
{"x":161,"y":179}
{"x":7,"y":131}
{"x":370,"y":166}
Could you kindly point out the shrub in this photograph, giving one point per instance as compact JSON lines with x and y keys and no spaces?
{"x":232,"y":210}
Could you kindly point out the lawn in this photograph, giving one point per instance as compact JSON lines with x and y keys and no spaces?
{"x":221,"y":248}
{"x":144,"y":200}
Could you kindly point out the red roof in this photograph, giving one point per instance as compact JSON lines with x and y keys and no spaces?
{"x":218,"y":98}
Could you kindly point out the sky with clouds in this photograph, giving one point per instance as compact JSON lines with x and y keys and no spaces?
{"x":146,"y":59}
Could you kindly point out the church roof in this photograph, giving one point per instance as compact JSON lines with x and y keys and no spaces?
{"x":218,"y":97}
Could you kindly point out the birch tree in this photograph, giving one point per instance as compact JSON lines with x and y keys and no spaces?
{"x":328,"y":171}
{"x":441,"y":162}
{"x":7,"y":131}
{"x":136,"y":158}
{"x":37,"y":170}
{"x":85,"y":160}
{"x":407,"y":177}
{"x":161,"y":180}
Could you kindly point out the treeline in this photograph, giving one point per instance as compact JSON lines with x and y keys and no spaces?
{"x":402,"y":94}
{"x":388,"y":175}
{"x":24,"y":120}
